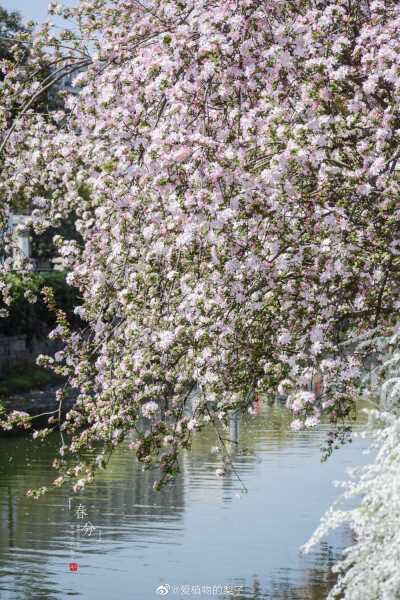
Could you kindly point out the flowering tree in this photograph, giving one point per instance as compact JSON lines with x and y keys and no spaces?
{"x":241,"y":225}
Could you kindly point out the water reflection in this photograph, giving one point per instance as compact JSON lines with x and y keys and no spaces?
{"x":197,"y":534}
{"x":317,"y":579}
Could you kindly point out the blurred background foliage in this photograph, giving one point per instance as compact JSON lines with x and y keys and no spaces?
{"x":36,"y":319}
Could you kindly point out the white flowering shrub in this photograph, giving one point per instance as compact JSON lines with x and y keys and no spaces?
{"x":369,"y":568}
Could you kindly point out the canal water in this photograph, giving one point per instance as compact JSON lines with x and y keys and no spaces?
{"x":196,"y":540}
